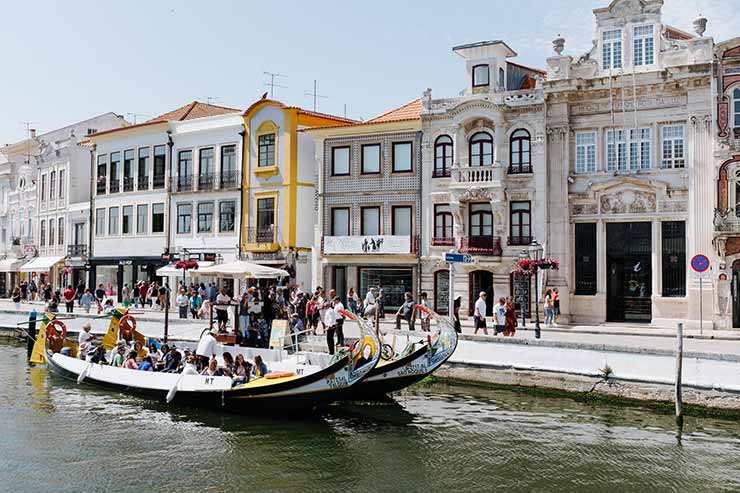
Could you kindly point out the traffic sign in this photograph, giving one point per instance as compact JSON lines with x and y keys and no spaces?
{"x":458,"y":258}
{"x":700,"y":263}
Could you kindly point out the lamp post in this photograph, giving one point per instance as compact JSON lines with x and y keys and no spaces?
{"x":524,"y":255}
{"x":535,"y":253}
{"x":184,"y":257}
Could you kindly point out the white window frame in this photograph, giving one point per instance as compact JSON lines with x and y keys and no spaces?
{"x":735,"y":107}
{"x":640,"y":152}
{"x":628,"y":150}
{"x":668,"y":146}
{"x":640,"y":44}
{"x":586,"y":152}
{"x":612,"y":46}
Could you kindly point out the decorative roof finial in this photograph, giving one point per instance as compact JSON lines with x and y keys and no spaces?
{"x":700,"y":25}
{"x":558,"y":44}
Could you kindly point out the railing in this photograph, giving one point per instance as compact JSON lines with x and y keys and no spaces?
{"x":100,"y":187}
{"x":487,"y":246}
{"x":115,"y":186}
{"x":262,"y":235}
{"x":229,"y":179}
{"x":128,"y":184}
{"x":727,"y":220}
{"x":477,"y":174}
{"x":520,"y":240}
{"x":77,"y":250}
{"x":443,"y":241}
{"x":142,"y":183}
{"x":158,"y":181}
{"x":442,"y":173}
{"x":182,"y":183}
{"x":206,"y":182}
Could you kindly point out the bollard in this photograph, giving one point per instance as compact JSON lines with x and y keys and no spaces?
{"x":31,"y":332}
{"x":679,"y":365}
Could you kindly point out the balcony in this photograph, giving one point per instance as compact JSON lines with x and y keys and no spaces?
{"x":78,"y":251}
{"x":128,"y":183}
{"x":115,"y":186}
{"x":443,"y":241}
{"x":229,"y":180}
{"x":370,"y":245}
{"x":487,"y":176}
{"x":262,"y":239}
{"x":100,"y":186}
{"x":179,"y":184}
{"x":484,"y":246}
{"x":206,"y":182}
{"x":158,"y":181}
{"x":142,"y":183}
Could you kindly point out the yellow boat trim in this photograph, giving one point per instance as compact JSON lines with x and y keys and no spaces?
{"x":264,"y":382}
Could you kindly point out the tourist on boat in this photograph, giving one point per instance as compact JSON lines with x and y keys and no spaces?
{"x":154,"y":354}
{"x":69,"y":299}
{"x":190,"y":367}
{"x":259,"y":369}
{"x":119,"y":355}
{"x":426,"y":319}
{"x":98,"y":356}
{"x":479,"y":313}
{"x":172,"y":360}
{"x":130,"y":362}
{"x":241,"y":370}
{"x":406,"y":312}
{"x":511,"y":321}
{"x":206,"y":346}
{"x":146,"y":364}
{"x":228,"y":368}
{"x":139,"y":348}
{"x":86,"y":300}
{"x":212,"y":370}
{"x":163,"y":351}
{"x":330,"y":325}
{"x":84,"y":340}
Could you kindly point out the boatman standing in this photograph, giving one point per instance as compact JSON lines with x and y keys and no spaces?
{"x":330,"y":324}
{"x":206,"y":347}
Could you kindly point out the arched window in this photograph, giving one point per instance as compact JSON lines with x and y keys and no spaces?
{"x":736,"y":108}
{"x":481,"y":149}
{"x":520,"y":160}
{"x":442,"y":156}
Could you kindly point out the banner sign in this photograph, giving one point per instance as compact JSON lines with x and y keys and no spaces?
{"x":374,"y":245}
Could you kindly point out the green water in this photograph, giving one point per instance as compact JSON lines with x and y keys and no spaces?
{"x":58,"y":436}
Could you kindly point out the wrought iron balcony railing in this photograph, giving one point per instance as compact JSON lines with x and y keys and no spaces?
{"x":486,"y":246}
{"x":77,"y":250}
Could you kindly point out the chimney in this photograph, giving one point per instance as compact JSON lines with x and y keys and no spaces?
{"x":33,"y":133}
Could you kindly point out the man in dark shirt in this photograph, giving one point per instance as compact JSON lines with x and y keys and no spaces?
{"x":172,"y":360}
{"x":406,"y":312}
{"x":100,"y":293}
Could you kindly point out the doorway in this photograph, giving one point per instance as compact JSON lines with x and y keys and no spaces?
{"x":629,"y":272}
{"x":481,"y":280}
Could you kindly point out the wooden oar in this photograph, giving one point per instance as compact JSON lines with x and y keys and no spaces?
{"x":173,"y":390}
{"x":84,"y":372}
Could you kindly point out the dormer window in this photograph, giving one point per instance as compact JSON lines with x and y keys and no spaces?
{"x":644,"y":45}
{"x":480,"y":76}
{"x":611,"y":49}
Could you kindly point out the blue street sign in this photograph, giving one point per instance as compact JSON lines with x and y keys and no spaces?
{"x":458,"y":258}
{"x":700,"y":263}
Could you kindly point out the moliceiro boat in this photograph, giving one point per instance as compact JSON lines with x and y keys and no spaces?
{"x":417,"y":361}
{"x":296,"y":381}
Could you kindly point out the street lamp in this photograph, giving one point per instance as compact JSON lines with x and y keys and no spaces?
{"x":535,"y":253}
{"x":524,"y":255}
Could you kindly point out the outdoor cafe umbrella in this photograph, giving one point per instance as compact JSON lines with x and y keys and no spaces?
{"x":242,"y":269}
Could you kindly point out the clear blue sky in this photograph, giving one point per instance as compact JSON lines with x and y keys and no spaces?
{"x":65,"y":61}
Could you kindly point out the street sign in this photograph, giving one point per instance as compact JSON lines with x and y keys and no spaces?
{"x":700,"y":263}
{"x":458,"y":258}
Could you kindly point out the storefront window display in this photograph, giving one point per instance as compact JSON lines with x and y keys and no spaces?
{"x":395,"y":282}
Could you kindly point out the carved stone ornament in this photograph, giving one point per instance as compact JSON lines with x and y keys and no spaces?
{"x":628,"y":202}
{"x":584,"y":209}
{"x":673,"y":206}
{"x":473,"y":194}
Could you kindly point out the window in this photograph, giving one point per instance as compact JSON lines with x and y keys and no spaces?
{"x":205,"y":168}
{"x":62,"y":184}
{"x":99,"y":222}
{"x":481,"y":220}
{"x":113,"y":221}
{"x":51,"y":232}
{"x":265,"y":213}
{"x":184,"y":218}
{"x":142,"y":217}
{"x":480,"y":75}
{"x":205,"y":217}
{"x":370,"y":221}
{"x":674,"y":258}
{"x":673,"y":147}
{"x":158,"y":218}
{"x":637,"y":154}
{"x":127,"y":220}
{"x":60,"y":231}
{"x":370,"y":158}
{"x":520,"y":156}
{"x":184,"y":170}
{"x":644,"y":51}
{"x":340,"y":221}
{"x":115,"y":180}
{"x":585,"y":248}
{"x":128,"y":170}
{"x":736,"y":108}
{"x":52,"y":185}
{"x":520,"y":216}
{"x":481,"y":149}
{"x":340,"y":161}
{"x":266,"y":150}
{"x":611,"y":49}
{"x":501,"y":79}
{"x":143,"y":181}
{"x":102,"y":173}
{"x":401,"y":157}
{"x":585,"y":152}
{"x":442,"y":156}
{"x":228,"y":166}
{"x":226,"y":211}
{"x":160,"y":159}
{"x":43,"y":232}
{"x":640,"y":144}
{"x":442,"y":225}
{"x":401,"y":220}
{"x":43,"y":188}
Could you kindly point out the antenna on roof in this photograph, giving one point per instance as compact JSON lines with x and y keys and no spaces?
{"x":272,"y":84}
{"x":212,"y":99}
{"x":135,"y":116}
{"x":315,"y":94}
{"x":30,"y":134}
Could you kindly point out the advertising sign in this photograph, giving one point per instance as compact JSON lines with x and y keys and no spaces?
{"x":373,"y":245}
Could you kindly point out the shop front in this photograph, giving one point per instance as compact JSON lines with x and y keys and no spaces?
{"x":395,"y":279}
{"x":114,"y":273}
{"x":45,"y":270}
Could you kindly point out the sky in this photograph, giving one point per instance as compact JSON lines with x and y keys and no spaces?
{"x":63,"y":62}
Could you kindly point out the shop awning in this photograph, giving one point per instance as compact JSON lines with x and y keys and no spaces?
{"x":41,"y":264}
{"x":171,"y":270}
{"x":242,"y":269}
{"x":11,"y":264}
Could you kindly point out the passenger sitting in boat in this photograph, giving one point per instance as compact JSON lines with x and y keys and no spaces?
{"x":172,"y":360}
{"x":146,"y":364}
{"x":241,"y":370}
{"x":213,"y":370}
{"x":98,"y":356}
{"x":228,"y":369}
{"x":163,"y":351}
{"x":154,"y":354}
{"x":260,"y":368}
{"x":130,"y":362}
{"x":119,"y":354}
{"x":140,"y":351}
{"x":190,"y":368}
{"x":108,"y":304}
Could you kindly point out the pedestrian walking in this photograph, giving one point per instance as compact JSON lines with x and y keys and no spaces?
{"x":100,"y":293}
{"x":183,"y":303}
{"x":86,"y":300}
{"x":511,"y":320}
{"x":547,"y":307}
{"x":479,"y":313}
{"x":555,"y":306}
{"x":69,"y":299}
{"x":499,"y":314}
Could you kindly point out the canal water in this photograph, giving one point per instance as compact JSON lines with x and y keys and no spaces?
{"x":58,"y":436}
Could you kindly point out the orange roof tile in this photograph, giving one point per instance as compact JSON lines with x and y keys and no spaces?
{"x":409,"y":111}
{"x":193,"y":110}
{"x":325,"y":115}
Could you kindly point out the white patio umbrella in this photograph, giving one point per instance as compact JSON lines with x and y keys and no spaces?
{"x":241,"y":269}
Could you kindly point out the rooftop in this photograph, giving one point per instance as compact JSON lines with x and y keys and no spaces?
{"x":481,"y":44}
